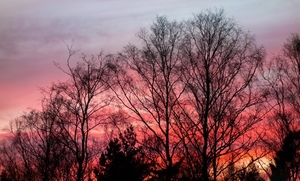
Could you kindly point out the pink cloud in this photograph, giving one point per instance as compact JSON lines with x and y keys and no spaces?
{"x":32,"y":34}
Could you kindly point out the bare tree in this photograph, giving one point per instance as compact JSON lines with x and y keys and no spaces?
{"x":223,"y":98}
{"x":9,"y":161}
{"x":149,"y":87}
{"x":283,"y":83}
{"x":283,"y":80}
{"x":60,"y":142}
{"x":81,"y":104}
{"x":32,"y":152}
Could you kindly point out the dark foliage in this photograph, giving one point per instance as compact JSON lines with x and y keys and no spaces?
{"x":251,"y":173}
{"x":287,"y":160}
{"x":4,"y":176}
{"x":122,"y":160}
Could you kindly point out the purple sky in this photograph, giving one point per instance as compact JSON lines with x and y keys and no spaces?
{"x":32,"y":34}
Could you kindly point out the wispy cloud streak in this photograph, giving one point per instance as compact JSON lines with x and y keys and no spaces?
{"x":32,"y":34}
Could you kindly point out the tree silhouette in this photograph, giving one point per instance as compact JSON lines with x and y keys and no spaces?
{"x":149,"y":89}
{"x":80,"y":105}
{"x":56,"y":143}
{"x":196,"y":94}
{"x":223,"y":100}
{"x":33,"y":152}
{"x":4,"y":176}
{"x":286,"y":165}
{"x":250,"y":173}
{"x":122,"y":159}
{"x":283,"y":84}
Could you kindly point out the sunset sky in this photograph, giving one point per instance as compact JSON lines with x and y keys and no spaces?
{"x":32,"y":35}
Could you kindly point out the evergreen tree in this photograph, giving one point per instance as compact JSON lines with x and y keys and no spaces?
{"x":122,"y":160}
{"x":287,"y":160}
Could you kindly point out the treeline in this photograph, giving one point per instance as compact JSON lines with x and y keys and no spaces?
{"x":196,"y":100}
